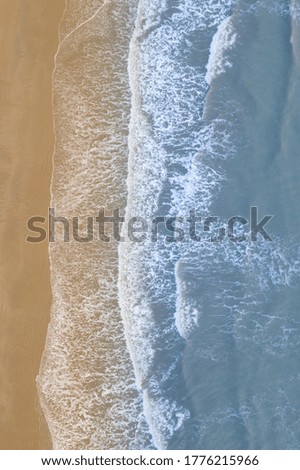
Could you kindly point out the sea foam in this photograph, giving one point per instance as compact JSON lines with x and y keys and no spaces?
{"x":168,"y":96}
{"x":222,"y":42}
{"x":86,"y":382}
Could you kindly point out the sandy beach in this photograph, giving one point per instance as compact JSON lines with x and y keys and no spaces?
{"x":29,"y":40}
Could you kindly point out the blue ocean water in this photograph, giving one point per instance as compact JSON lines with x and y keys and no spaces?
{"x":214,"y":327}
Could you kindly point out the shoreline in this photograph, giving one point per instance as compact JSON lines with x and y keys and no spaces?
{"x":85,"y":373}
{"x":30,"y":34}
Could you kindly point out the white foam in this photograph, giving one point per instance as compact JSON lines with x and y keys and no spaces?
{"x":222,"y":42}
{"x":254,"y":272}
{"x":167,"y":104}
{"x":86,"y":382}
{"x":164,"y":418}
{"x":187,"y":313}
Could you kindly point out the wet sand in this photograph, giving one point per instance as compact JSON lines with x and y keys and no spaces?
{"x":29,"y":40}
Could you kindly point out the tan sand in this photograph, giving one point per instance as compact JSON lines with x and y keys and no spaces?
{"x":29,"y":40}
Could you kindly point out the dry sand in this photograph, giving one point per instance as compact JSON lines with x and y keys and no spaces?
{"x":29,"y":40}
